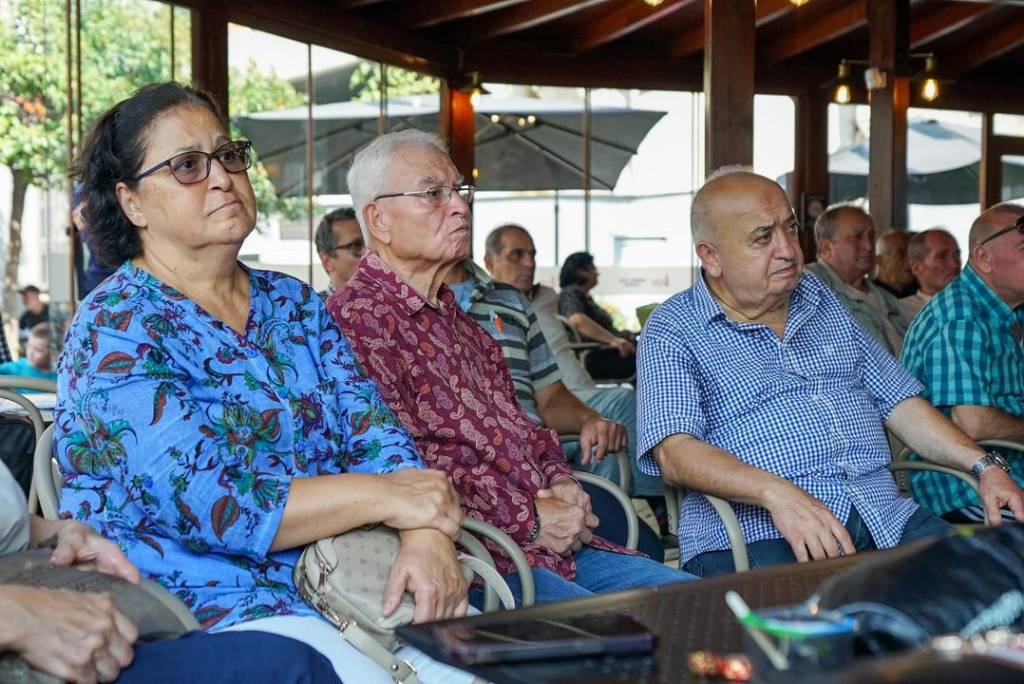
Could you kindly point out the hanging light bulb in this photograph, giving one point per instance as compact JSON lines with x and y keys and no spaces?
{"x":930,"y":85}
{"x":799,"y":3}
{"x":654,"y":3}
{"x":495,"y":118}
{"x":843,"y":95}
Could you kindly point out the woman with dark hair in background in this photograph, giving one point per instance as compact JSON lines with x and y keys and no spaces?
{"x":576,"y":279}
{"x":211,"y":418}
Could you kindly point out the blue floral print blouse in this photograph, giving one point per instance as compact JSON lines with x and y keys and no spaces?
{"x":179,"y":438}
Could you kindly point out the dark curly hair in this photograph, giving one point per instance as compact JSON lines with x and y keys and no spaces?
{"x":113,"y":153}
{"x":574,"y":263}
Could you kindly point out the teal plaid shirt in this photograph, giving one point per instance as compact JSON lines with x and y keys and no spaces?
{"x":961,"y":347}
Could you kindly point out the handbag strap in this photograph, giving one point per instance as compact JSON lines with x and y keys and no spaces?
{"x":401,"y":671}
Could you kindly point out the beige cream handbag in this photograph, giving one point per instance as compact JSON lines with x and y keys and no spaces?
{"x":344,"y":578}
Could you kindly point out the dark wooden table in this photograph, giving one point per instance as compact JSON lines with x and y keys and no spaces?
{"x":688,"y":617}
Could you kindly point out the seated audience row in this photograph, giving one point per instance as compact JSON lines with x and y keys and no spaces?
{"x":213,"y":419}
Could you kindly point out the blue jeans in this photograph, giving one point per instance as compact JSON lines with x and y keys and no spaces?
{"x":228,"y":657}
{"x":922,"y":524}
{"x":597,"y":572}
{"x":618,"y":404}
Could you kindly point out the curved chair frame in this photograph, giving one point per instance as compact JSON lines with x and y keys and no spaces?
{"x":582,"y":349}
{"x":674,"y":497}
{"x":625,"y":472}
{"x":46,"y":475}
{"x":632,"y":519}
{"x":476,"y":548}
{"x":509,"y":546}
{"x":9,"y":383}
{"x":741,"y":559}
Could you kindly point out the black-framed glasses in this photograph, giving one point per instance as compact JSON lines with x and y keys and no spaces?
{"x":193,"y":167}
{"x":1017,"y":225}
{"x":355,"y":248}
{"x":437,"y":196}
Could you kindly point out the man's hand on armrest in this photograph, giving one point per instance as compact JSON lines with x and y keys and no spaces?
{"x":937,"y":439}
{"x":807,"y":524}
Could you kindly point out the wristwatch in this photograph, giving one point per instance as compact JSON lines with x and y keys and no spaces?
{"x":990,"y":458}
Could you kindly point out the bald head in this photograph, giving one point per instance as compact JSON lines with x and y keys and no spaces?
{"x":991,"y":221}
{"x":721,"y":194}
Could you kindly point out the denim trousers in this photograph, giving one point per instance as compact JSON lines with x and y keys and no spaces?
{"x":922,"y":524}
{"x":597,"y":572}
{"x":617,"y":404}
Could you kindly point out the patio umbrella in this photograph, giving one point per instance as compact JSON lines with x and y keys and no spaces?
{"x":521,"y":143}
{"x":942,"y":164}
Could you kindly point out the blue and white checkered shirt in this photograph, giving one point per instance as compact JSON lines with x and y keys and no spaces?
{"x":808,"y":407}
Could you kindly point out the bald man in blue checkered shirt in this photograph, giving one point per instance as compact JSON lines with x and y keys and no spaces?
{"x":756,"y":385}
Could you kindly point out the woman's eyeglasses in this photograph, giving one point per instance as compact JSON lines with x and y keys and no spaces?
{"x":1018,"y":225}
{"x":193,"y":167}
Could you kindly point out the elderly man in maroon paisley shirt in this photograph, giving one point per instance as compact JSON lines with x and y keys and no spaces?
{"x":447,"y":381}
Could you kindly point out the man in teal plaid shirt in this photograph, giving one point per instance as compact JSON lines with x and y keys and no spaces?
{"x":966,"y":347}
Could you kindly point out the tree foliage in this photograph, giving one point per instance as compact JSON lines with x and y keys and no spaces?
{"x":124,"y":44}
{"x":365,"y":82}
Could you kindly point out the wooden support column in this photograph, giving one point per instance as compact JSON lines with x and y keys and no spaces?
{"x":889,"y":24}
{"x":457,"y":125}
{"x":210,"y":51}
{"x":728,"y":83}
{"x":990,"y":170}
{"x":810,"y":172}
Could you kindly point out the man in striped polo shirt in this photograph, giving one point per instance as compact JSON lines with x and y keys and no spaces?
{"x":505,"y":314}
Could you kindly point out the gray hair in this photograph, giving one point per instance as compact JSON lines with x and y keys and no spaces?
{"x":370,"y":167}
{"x":700,"y":209}
{"x":828,"y":222}
{"x":982,"y":224}
{"x":917,"y":248}
{"x":495,"y":239}
{"x":324,"y":237}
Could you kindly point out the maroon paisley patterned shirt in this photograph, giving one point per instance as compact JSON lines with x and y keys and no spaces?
{"x":447,"y":381}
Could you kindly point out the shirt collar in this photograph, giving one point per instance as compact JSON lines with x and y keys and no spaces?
{"x":978,"y":289}
{"x":484,"y":281}
{"x":807,"y":293}
{"x":375,"y":269}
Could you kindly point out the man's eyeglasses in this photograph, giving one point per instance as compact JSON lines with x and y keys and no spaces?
{"x":193,"y":167}
{"x":1018,"y":225}
{"x":437,"y":196}
{"x":355,"y":248}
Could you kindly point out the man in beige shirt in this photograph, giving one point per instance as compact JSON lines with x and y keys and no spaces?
{"x":846,"y":255}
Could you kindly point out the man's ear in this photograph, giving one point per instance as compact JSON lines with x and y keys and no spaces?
{"x":825,"y":250}
{"x":489,"y":262}
{"x":981,"y":259}
{"x":376,"y":223}
{"x":129,"y":201}
{"x":709,"y":258}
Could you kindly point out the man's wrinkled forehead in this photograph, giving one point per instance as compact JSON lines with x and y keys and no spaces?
{"x":424,"y":168}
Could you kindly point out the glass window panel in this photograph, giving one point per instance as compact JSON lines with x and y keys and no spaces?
{"x":124,"y":44}
{"x":1008,"y":124}
{"x":267,"y":98}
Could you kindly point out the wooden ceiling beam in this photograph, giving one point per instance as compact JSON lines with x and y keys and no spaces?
{"x":521,"y":17}
{"x":621,"y":22}
{"x":943,"y":21}
{"x":806,"y":37}
{"x":326,"y":25}
{"x":428,"y":13}
{"x":985,"y":48}
{"x":691,"y":41}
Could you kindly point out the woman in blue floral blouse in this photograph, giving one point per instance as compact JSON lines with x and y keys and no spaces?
{"x":211,"y":418}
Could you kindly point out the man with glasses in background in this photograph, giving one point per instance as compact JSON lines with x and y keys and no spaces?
{"x":339,"y":242}
{"x":965,"y":345}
